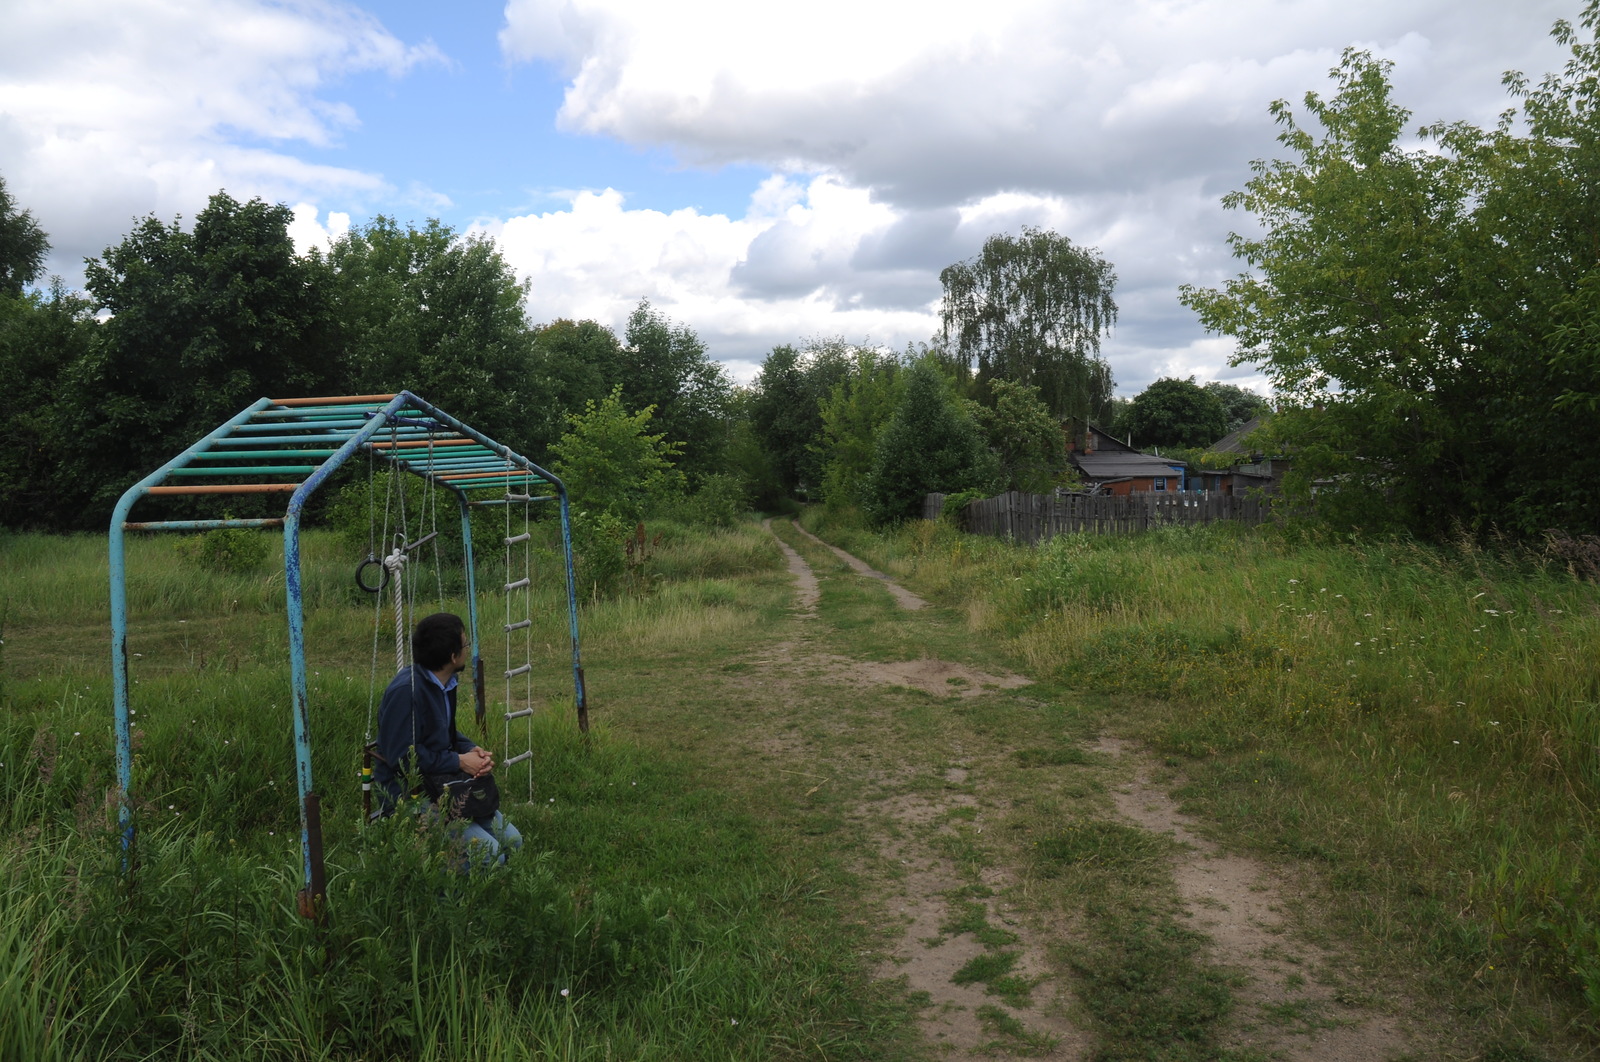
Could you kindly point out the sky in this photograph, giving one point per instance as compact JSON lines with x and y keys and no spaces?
{"x":762,"y":173}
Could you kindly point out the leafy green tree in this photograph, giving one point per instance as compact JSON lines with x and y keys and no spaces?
{"x":611,"y":463}
{"x":1239,"y":405}
{"x":439,"y":314}
{"x":665,"y":365}
{"x":1423,"y":312}
{"x":1026,"y":440}
{"x":854,"y":413}
{"x":23,"y":246}
{"x":1173,"y":412}
{"x":930,"y":445}
{"x":41,"y":338}
{"x":786,"y":412}
{"x":201,"y":324}
{"x":1031,"y":309}
{"x":570,"y":362}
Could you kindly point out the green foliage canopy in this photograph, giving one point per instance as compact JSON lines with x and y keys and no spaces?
{"x":853,"y":415}
{"x":1427,"y":314}
{"x":1026,"y":440}
{"x":437,"y":313}
{"x":23,"y":246}
{"x":1031,"y":309}
{"x":1172,"y":412}
{"x":612,"y":464}
{"x":665,"y":365}
{"x":930,"y":445}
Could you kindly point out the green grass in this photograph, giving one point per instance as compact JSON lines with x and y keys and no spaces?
{"x":1421,"y":723}
{"x":648,"y":916}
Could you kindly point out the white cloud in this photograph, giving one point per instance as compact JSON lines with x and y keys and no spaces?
{"x":938,"y":124}
{"x":114,"y":109}
{"x":308,"y":233}
{"x":957,"y":101}
{"x":596,"y":259}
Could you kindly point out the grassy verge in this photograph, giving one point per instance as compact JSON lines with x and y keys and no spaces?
{"x":1421,"y":727}
{"x":652,"y":913}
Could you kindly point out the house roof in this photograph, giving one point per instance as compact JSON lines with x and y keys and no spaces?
{"x":1117,"y":464}
{"x":1233,"y":442}
{"x":1107,"y":441}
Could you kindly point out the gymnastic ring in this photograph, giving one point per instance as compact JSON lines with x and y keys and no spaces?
{"x":383,"y":579}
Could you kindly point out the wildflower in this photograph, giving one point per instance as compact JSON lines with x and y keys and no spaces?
{"x":171,"y":806}
{"x":1292,"y":581}
{"x":565,"y":992}
{"x":733,"y":1021}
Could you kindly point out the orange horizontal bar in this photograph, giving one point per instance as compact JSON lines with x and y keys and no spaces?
{"x":425,"y":442}
{"x":229,"y":488}
{"x":338,"y":400}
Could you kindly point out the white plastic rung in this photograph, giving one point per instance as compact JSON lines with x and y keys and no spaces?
{"x":519,"y":714}
{"x":523,"y":670}
{"x":517,"y":626}
{"x":514,"y":539}
{"x":518,"y":758}
{"x":518,"y":497}
{"x":518,"y":585}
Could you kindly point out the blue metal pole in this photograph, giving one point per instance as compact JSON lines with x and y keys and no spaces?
{"x":578,"y":686}
{"x":480,"y":705}
{"x":119,"y":616}
{"x":310,"y":854}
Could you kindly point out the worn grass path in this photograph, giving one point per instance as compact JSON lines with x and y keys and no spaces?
{"x":1027,"y":880}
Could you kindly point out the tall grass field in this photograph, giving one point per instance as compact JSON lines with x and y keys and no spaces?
{"x":1420,"y":723}
{"x":647,"y":915}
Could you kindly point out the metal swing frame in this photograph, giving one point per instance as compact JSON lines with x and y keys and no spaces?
{"x":263,"y":450}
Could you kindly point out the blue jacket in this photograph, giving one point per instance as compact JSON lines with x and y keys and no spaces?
{"x":418,"y":715}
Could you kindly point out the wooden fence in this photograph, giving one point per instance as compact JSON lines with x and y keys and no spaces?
{"x":1032,"y":518}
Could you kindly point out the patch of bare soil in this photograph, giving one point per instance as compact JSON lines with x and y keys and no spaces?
{"x":929,"y":955}
{"x":939,"y":677}
{"x":1296,"y":1004}
{"x":903,"y":597}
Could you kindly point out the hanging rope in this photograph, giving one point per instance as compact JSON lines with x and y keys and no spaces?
{"x":394,"y":563}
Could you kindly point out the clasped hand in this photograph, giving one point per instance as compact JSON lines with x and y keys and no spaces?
{"x":478,"y":762}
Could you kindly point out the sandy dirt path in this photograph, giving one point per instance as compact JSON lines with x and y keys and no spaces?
{"x":1290,"y":1003}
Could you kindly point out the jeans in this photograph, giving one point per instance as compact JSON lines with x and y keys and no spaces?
{"x":496,"y":836}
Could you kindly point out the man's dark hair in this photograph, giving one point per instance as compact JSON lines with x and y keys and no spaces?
{"x":436,"y":640}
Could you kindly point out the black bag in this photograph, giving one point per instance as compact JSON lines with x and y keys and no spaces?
{"x":462,"y":796}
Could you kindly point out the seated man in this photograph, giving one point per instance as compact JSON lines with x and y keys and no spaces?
{"x":418,"y":716}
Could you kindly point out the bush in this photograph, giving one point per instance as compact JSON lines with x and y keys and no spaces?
{"x":235,"y":550}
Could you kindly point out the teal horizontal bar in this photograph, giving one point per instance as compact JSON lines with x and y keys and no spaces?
{"x":482,"y":464}
{"x":247,"y":470}
{"x":495,"y":484}
{"x":268,"y":440}
{"x":282,"y":425}
{"x":223,"y":455}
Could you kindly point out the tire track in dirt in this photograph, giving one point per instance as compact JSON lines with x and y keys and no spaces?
{"x":1294,"y":1004}
{"x":903,"y":597}
{"x":906,"y":828}
{"x":805,"y":580}
{"x":1295,"y":1001}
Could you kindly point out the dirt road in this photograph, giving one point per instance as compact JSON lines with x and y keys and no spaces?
{"x":966,"y":794}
